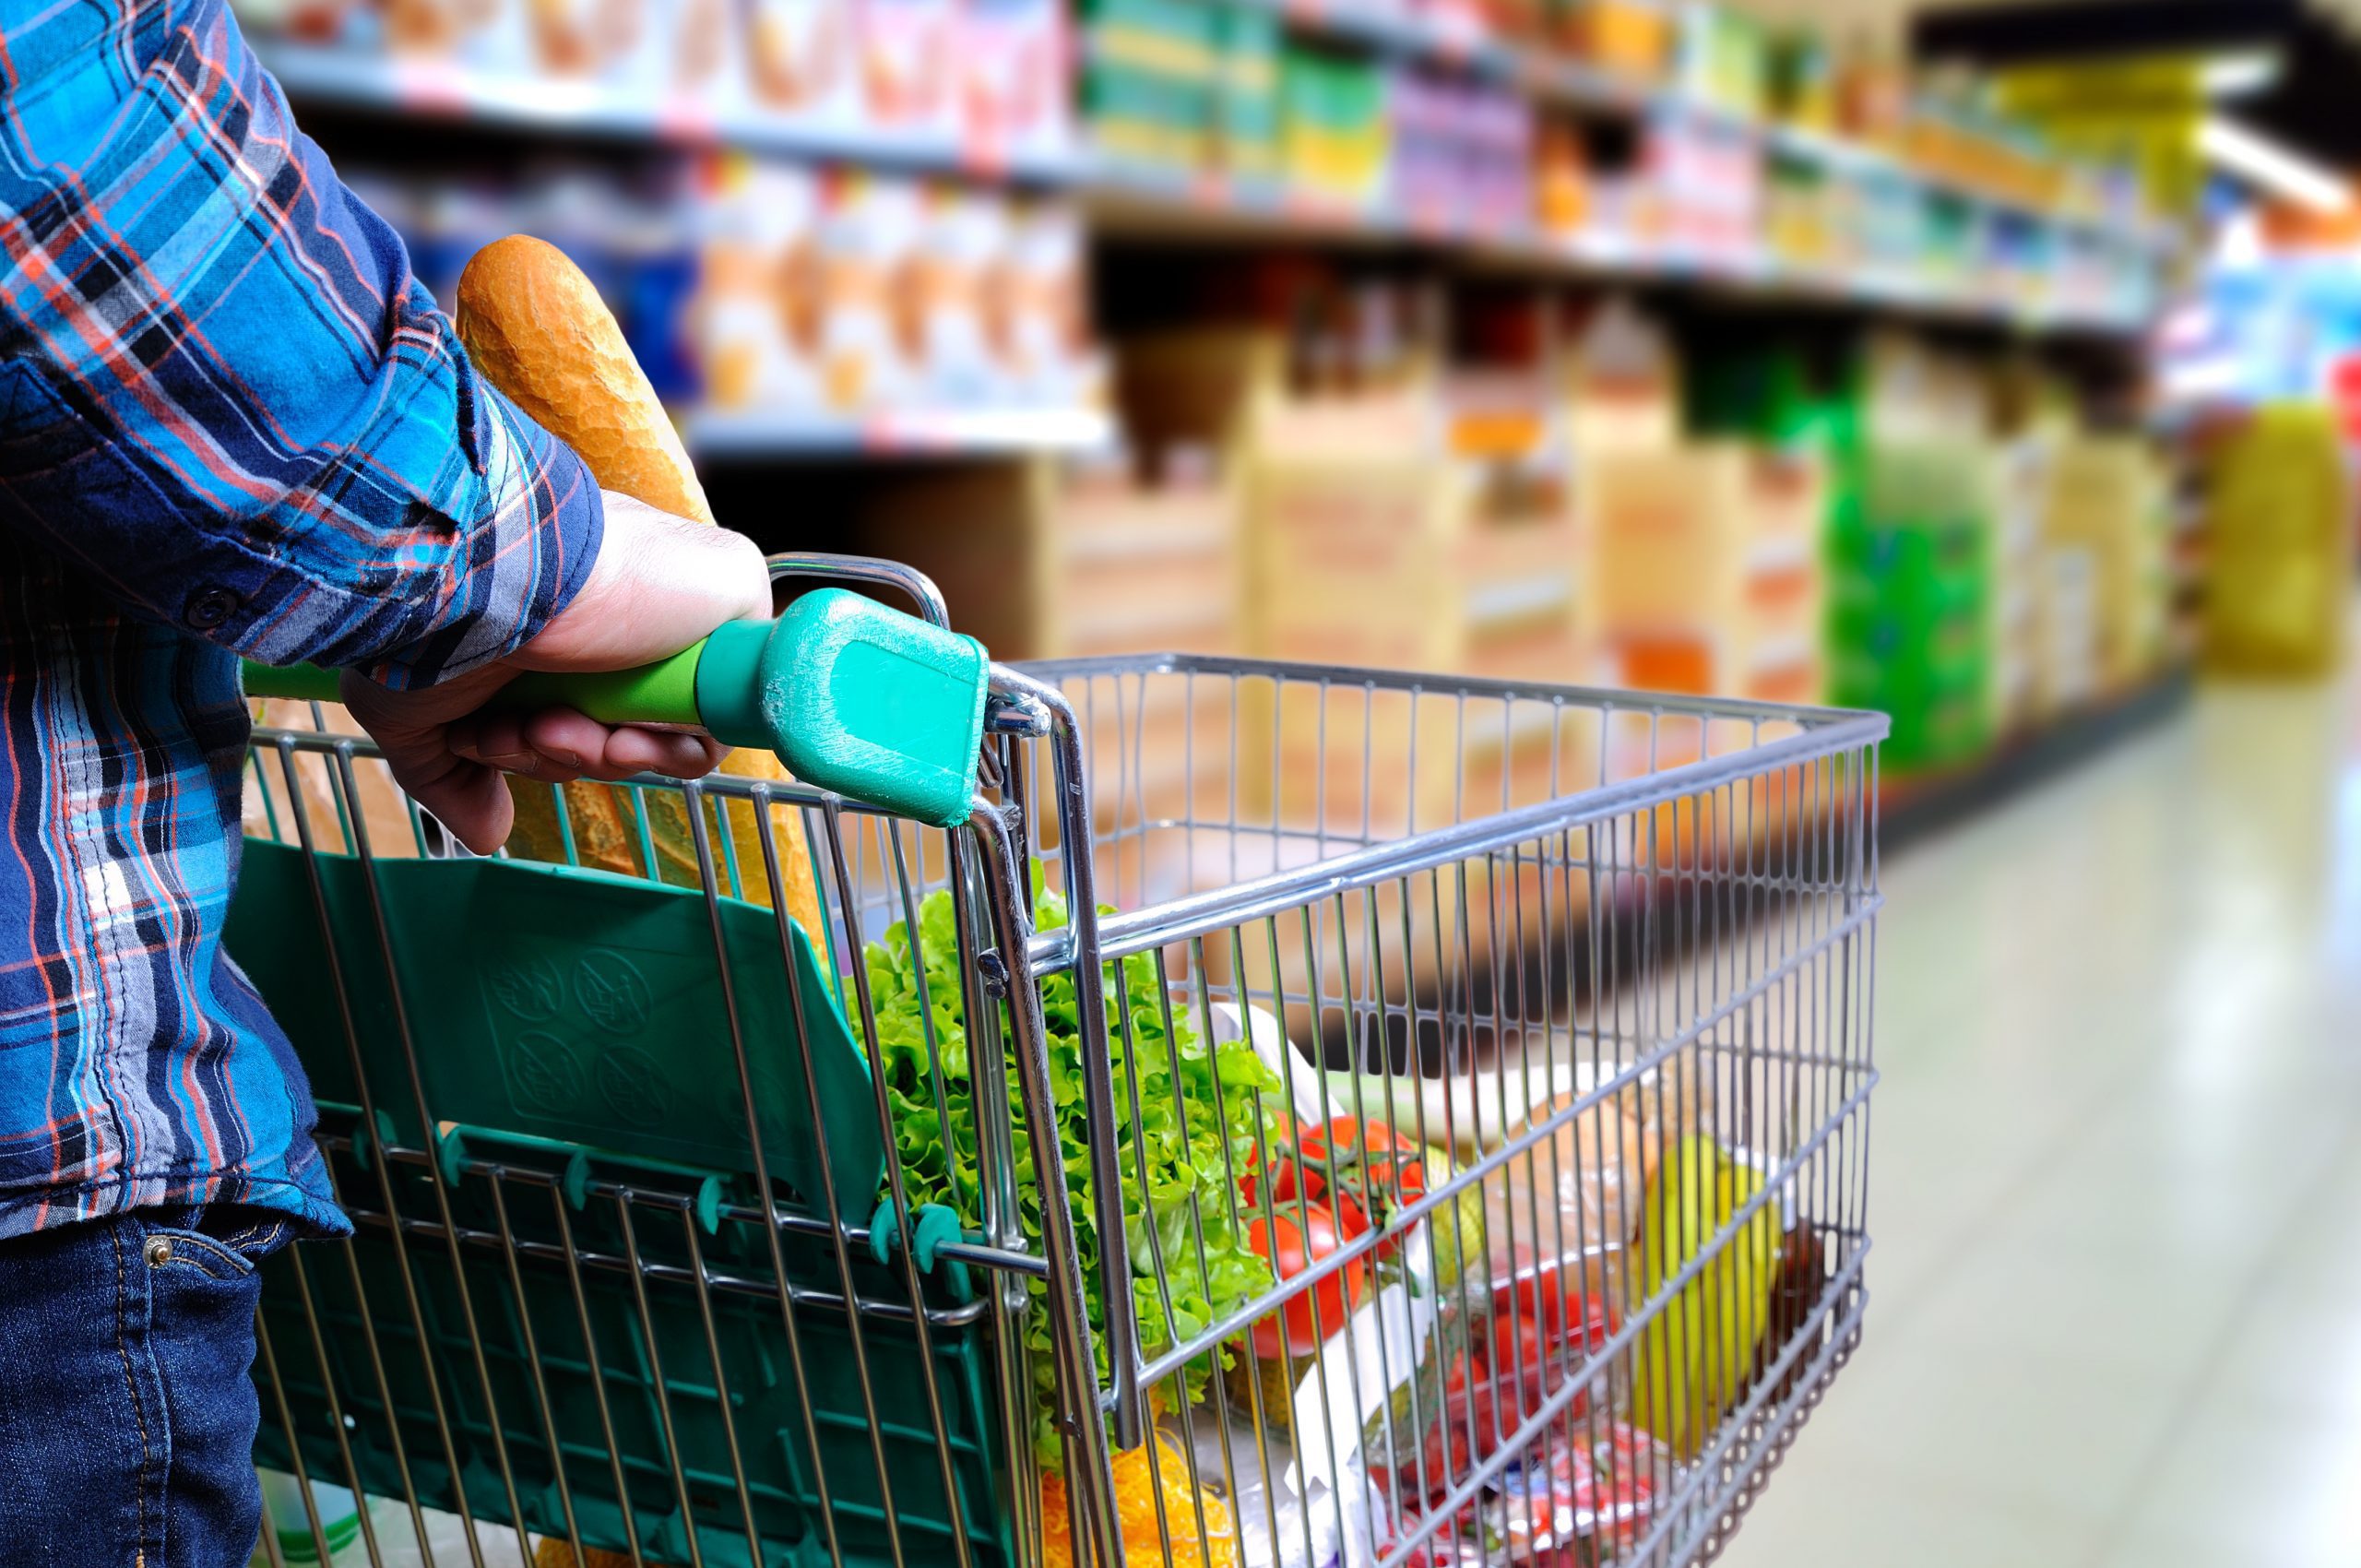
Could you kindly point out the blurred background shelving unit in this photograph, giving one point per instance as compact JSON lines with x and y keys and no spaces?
{"x":1643,"y":341}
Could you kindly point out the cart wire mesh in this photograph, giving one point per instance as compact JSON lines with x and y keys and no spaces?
{"x":1462,"y":1108}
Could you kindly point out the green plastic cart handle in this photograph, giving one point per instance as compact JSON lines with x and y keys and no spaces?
{"x":851,"y":695}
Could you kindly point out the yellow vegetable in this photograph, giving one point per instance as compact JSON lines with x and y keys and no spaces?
{"x":1695,"y":1356}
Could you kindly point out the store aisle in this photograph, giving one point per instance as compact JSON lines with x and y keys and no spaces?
{"x":2115,"y":1315}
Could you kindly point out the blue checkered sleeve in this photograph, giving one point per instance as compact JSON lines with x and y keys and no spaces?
{"x":225,"y":398}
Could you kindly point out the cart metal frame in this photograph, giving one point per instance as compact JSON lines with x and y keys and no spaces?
{"x":1611,"y":896}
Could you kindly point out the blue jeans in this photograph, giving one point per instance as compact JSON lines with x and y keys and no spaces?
{"x":127,"y":1414}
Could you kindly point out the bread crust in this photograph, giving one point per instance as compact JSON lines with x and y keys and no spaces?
{"x":538,"y":330}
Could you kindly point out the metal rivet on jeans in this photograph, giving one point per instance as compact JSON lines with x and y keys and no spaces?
{"x":160,"y":1251}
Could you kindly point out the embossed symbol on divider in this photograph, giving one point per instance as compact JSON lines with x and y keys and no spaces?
{"x":633,"y":1086}
{"x":543,"y":1072}
{"x":612,"y":992}
{"x":532,"y":988}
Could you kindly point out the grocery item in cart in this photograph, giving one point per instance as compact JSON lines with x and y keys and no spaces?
{"x":786,"y":1352}
{"x":1699,"y":1348}
{"x":1564,"y":1503}
{"x":1572,"y":1201}
{"x":538,"y":331}
{"x":1279,"y":1524}
{"x":1158,"y":1508}
{"x":1201,"y":1104}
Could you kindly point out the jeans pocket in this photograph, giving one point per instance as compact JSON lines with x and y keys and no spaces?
{"x":172,"y":1250}
{"x":224,"y":1244}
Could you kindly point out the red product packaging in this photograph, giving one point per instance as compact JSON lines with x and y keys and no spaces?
{"x":1012,"y":82}
{"x":907,"y":70}
{"x":1562,"y":1505}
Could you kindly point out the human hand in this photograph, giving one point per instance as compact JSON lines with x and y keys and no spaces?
{"x":658,"y":585}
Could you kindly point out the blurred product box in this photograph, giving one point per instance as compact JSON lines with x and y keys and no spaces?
{"x":1723,"y":59}
{"x":870,"y":227}
{"x":2106,"y":500}
{"x":1372,"y":538}
{"x":1463,"y":154}
{"x":1014,"y":88}
{"x":800,"y":61}
{"x":1701,"y":569}
{"x":1043,"y":319}
{"x":2066,"y":619}
{"x":1335,"y":134}
{"x":839,"y":295}
{"x":624,"y":47}
{"x":964,"y":247}
{"x":1708,"y":177}
{"x":983,"y":80}
{"x":1099,"y":558}
{"x":1872,"y":91}
{"x":760,"y":301}
{"x":1911,"y":555}
{"x":1623,"y":383}
{"x":2280,"y":527}
{"x":1910,"y":582}
{"x":1799,"y":223}
{"x":1148,"y":75}
{"x":1629,"y":38}
{"x":2021,"y":691}
{"x":1562,"y":183}
{"x":1246,"y":111}
{"x":1803,"y":81}
{"x":1053,"y":561}
{"x":909,"y":68}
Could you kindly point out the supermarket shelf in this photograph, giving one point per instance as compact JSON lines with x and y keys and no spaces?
{"x":350,"y":79}
{"x":1915,"y":808}
{"x":1158,"y":204}
{"x":749,"y":437}
{"x":1574,"y":84}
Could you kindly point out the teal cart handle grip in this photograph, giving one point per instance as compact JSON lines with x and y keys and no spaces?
{"x":853,"y":697}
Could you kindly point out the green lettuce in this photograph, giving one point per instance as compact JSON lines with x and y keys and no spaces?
{"x":1197,"y":1102}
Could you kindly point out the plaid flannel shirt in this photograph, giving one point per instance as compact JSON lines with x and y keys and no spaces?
{"x":231,"y":422}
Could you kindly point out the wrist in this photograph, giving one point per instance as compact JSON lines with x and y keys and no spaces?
{"x":661,"y":583}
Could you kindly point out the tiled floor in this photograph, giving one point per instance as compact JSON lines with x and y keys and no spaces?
{"x":2115,"y":1294}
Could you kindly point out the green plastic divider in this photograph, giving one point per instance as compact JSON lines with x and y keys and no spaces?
{"x":563,"y":1002}
{"x":570,"y":1022}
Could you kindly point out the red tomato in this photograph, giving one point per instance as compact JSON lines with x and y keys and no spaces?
{"x":1249,"y":1180}
{"x":1371,"y":1161}
{"x":1291,"y":1246}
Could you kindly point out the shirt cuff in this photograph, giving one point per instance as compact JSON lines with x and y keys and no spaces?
{"x":529,"y":549}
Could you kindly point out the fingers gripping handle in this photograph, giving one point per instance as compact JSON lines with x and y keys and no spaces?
{"x":851,"y":695}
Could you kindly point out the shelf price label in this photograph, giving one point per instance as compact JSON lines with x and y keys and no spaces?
{"x":433,"y":86}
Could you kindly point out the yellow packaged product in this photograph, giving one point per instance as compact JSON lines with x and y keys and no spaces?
{"x":1141,"y":1489}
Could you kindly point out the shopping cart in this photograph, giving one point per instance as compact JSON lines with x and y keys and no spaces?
{"x":1462,"y":1112}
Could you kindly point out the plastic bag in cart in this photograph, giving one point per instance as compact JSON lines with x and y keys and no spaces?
{"x":1575,"y":1198}
{"x":1575,"y":1504}
{"x":1539,"y":1336}
{"x":1279,"y":1525}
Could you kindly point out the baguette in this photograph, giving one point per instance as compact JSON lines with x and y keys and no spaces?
{"x":538,"y":330}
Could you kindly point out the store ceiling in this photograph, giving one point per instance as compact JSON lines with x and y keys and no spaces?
{"x":2315,"y":104}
